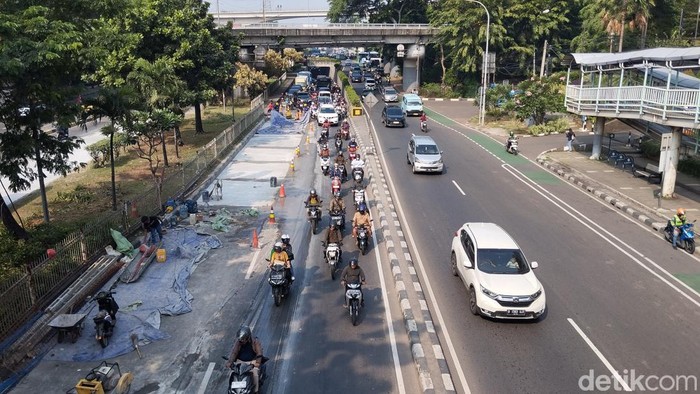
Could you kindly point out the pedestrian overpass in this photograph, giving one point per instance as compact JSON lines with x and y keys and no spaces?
{"x":240,"y":18}
{"x":657,"y":86}
{"x":257,"y":38}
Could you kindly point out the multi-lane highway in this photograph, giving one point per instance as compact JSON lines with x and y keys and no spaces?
{"x":611,"y":305}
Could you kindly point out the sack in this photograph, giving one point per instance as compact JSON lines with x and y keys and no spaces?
{"x":191,"y":206}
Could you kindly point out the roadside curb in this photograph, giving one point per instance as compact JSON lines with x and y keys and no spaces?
{"x":656,"y":223}
{"x":393,"y":247}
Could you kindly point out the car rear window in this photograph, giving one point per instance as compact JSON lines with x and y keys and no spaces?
{"x":327,"y":110}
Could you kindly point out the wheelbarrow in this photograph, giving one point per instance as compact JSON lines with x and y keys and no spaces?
{"x":105,"y":378}
{"x":68,"y":325}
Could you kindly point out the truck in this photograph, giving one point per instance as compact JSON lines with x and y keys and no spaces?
{"x":302,"y":80}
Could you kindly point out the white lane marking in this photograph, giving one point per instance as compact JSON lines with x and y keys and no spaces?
{"x":387,"y":314}
{"x":203,"y":386}
{"x":249,"y":273}
{"x":419,"y":261}
{"x":657,"y":266}
{"x":600,"y":355}
{"x":459,"y":188}
{"x":608,"y":237}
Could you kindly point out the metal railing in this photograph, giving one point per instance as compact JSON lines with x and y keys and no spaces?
{"x":26,"y":291}
{"x":669,"y":104}
{"x":338,"y":26}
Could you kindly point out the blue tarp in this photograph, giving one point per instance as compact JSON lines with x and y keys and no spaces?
{"x":278,"y":124}
{"x":161,"y":290}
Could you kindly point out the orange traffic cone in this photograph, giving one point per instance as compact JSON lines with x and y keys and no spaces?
{"x":272,"y":215}
{"x":255,"y":239}
{"x":282,"y":193}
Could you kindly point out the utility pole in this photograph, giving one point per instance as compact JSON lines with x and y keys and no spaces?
{"x":544,"y":57}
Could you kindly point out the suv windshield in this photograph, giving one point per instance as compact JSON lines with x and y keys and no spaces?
{"x":395,"y":111}
{"x":414,"y":103}
{"x":502,"y":261}
{"x":427,"y":150}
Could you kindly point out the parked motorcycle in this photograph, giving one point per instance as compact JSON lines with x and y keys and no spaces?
{"x":314,"y":217}
{"x":338,"y":218}
{"x":332,"y":255}
{"x":686,"y":238}
{"x":512,"y":146}
{"x":241,"y":379}
{"x":106,"y":317}
{"x":325,"y":165}
{"x":353,"y":295}
{"x":279,"y":282}
{"x":362,"y":239}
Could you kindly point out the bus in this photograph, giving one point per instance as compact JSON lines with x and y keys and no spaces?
{"x":362,"y":57}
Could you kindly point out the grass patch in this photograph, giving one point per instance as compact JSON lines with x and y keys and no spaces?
{"x":85,"y":195}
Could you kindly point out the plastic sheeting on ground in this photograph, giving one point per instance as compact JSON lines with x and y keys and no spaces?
{"x":278,"y":124}
{"x":123,"y":244}
{"x":161,"y":290}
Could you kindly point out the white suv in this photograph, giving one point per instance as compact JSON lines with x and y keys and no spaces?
{"x":327,"y":111}
{"x":499,"y":279}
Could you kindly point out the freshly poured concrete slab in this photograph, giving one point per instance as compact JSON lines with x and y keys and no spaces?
{"x":244,"y":194}
{"x":250,"y":153}
{"x":275,"y":140}
{"x":247,"y":170}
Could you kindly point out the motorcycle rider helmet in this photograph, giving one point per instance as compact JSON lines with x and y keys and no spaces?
{"x":512,"y":134}
{"x":285,"y":239}
{"x":357,"y":156}
{"x":312,"y":192}
{"x":336,"y":195}
{"x":680,"y":212}
{"x":278,"y":247}
{"x":362,"y":208}
{"x":353,"y":263}
{"x":244,"y":334}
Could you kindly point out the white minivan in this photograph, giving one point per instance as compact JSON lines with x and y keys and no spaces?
{"x":411,"y":104}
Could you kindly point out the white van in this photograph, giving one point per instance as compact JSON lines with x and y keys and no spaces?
{"x":302,"y":80}
{"x":411,"y":104}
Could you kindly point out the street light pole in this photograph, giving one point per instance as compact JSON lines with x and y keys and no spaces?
{"x":484,"y":76}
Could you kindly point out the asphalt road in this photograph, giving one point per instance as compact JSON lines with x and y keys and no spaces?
{"x":601,"y":272}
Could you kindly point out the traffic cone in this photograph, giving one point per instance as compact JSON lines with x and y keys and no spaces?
{"x":291,"y":165}
{"x":282,"y":193}
{"x":272,"y":215}
{"x":255,"y":239}
{"x":297,"y":151}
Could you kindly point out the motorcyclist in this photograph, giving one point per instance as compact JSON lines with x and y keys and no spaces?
{"x":357,"y":162}
{"x":340,"y":160}
{"x":361,"y":217}
{"x":337,"y":203}
{"x":287,"y":246}
{"x":278,"y":256}
{"x":345,"y":125}
{"x":325,"y":152}
{"x":423,"y":117}
{"x":511,"y":139}
{"x":352,"y":144}
{"x":353,"y":273}
{"x":334,"y":236}
{"x":336,"y":172}
{"x":312,"y":200}
{"x":326,"y":124}
{"x":247,"y":349}
{"x":677,"y":222}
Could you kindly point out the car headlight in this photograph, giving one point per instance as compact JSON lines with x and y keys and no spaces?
{"x":536,"y":294}
{"x":488,"y":292}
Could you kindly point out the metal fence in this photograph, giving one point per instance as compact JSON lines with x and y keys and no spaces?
{"x":24,"y":293}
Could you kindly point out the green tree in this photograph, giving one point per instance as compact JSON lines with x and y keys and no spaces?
{"x":42,"y":56}
{"x":252,"y":80}
{"x":537,"y":97}
{"x":275,"y":64}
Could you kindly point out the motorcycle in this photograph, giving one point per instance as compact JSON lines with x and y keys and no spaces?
{"x":335,"y":184}
{"x":358,"y":174}
{"x":241,"y":379}
{"x":338,"y":144}
{"x":362,"y":239}
{"x":513,"y":146}
{"x":338,"y":218}
{"x":686,"y":238}
{"x":352,"y":152}
{"x":325,"y":165}
{"x":106,"y":317}
{"x":314,"y":217}
{"x":424,"y":126}
{"x":341,"y":167}
{"x":332,"y":255}
{"x":358,"y":196}
{"x":279,"y":282}
{"x":345,"y":131}
{"x":353,"y":295}
{"x":325,"y":132}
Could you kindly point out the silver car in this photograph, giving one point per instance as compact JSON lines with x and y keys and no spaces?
{"x":390,"y":95}
{"x":423,"y":155}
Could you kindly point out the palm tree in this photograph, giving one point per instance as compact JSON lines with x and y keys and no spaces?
{"x":116,"y":103}
{"x":619,"y":14}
